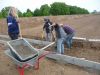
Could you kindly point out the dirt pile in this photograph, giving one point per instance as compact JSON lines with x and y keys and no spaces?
{"x":87,"y":26}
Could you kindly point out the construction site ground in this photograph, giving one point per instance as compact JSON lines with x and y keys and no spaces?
{"x":47,"y":67}
{"x":85,"y":25}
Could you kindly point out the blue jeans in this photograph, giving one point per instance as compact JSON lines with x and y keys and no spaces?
{"x":48,"y":36}
{"x":69,"y":40}
{"x":60,"y":45}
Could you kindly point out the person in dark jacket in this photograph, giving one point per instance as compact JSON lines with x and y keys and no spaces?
{"x":48,"y":29}
{"x":70,"y":33}
{"x":12,"y":22}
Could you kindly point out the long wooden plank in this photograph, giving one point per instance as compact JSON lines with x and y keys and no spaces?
{"x":39,"y":42}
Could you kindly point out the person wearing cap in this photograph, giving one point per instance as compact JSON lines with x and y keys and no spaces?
{"x":12,"y":23}
{"x":48,"y":29}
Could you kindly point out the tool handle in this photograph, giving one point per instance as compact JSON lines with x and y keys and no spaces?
{"x":20,"y":31}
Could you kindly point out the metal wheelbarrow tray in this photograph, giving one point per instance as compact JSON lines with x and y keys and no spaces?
{"x":22,"y":50}
{"x":30,"y":62}
{"x":31,"y":57}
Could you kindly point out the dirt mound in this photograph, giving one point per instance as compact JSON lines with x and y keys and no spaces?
{"x":87,"y":26}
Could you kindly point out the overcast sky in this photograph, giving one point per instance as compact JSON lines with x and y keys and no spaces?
{"x":22,"y":5}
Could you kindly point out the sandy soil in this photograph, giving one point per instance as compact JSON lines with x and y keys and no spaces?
{"x":85,"y":25}
{"x":88,"y":54}
{"x":47,"y":67}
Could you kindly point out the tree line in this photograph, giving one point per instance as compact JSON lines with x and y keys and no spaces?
{"x":56,"y":8}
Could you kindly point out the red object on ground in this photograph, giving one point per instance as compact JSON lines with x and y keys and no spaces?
{"x":21,"y":69}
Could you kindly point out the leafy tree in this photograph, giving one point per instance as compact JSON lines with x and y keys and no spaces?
{"x":94,"y":12}
{"x":24,"y":14}
{"x":78,"y":10}
{"x":20,"y":14}
{"x":73,"y":10}
{"x":1,"y":15}
{"x":5,"y":11}
{"x":84,"y":11}
{"x":36,"y":12}
{"x":28,"y":13}
{"x":44,"y":10}
{"x":58,"y":8}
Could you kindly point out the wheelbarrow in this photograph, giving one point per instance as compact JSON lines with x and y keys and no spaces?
{"x":25,"y":60}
